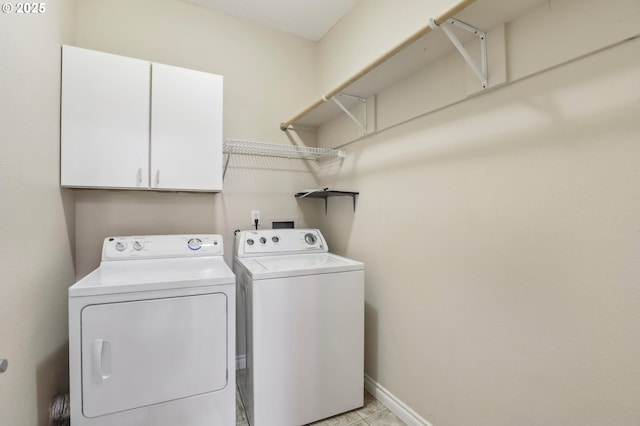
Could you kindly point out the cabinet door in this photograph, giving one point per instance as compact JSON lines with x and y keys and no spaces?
{"x":104,"y":120}
{"x":186,"y":129}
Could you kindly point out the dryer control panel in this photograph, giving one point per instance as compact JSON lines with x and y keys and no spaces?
{"x":280,"y":241}
{"x":161,"y":246}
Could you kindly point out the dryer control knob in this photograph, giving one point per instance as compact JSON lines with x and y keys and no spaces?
{"x":137,"y":245}
{"x":120,"y":246}
{"x":310,"y":238}
{"x":263,"y":240}
{"x":275,"y":239}
{"x":194,"y":243}
{"x":250,"y":241}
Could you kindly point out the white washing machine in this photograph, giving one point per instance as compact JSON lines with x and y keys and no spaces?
{"x":152,"y":335}
{"x":304,"y":327}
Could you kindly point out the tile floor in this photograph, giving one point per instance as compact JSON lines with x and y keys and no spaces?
{"x":372,"y":414}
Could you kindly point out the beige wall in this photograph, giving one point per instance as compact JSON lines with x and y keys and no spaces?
{"x":36,"y":216}
{"x":266,"y":73}
{"x":353,"y":44}
{"x":500,"y":233}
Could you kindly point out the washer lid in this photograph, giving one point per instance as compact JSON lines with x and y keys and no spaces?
{"x":127,"y":276}
{"x":298,"y":264}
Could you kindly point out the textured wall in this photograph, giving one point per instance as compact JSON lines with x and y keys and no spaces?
{"x":500,"y":233}
{"x":36,"y":216}
{"x":267,"y":76}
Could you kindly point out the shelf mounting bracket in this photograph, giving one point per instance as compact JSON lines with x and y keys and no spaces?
{"x":482,"y":71}
{"x":226,"y":164}
{"x":363,"y":124}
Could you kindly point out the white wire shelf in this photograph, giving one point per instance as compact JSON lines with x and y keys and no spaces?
{"x":232,"y":146}
{"x":240,"y":147}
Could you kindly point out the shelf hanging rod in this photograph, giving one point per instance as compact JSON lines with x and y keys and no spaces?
{"x":482,"y":72}
{"x":346,"y":111}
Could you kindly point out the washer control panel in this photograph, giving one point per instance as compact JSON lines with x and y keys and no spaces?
{"x":157,"y":246}
{"x":279,"y":241}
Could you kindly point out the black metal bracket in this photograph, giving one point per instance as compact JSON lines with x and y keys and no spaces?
{"x":326,"y":193}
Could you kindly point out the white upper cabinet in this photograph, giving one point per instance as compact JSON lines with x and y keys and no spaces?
{"x":105,"y":120}
{"x":186,"y":129}
{"x":130,"y":124}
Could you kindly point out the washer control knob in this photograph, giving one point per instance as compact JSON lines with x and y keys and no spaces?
{"x":250,"y":241}
{"x":275,"y":239}
{"x":194,"y":243}
{"x":310,"y":238}
{"x":120,"y":246}
{"x":137,"y":245}
{"x":263,"y":240}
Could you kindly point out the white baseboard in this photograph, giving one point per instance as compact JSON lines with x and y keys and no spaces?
{"x":397,"y":407}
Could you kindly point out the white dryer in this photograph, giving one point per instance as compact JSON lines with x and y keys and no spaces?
{"x":304,"y":327}
{"x":152,"y":335}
